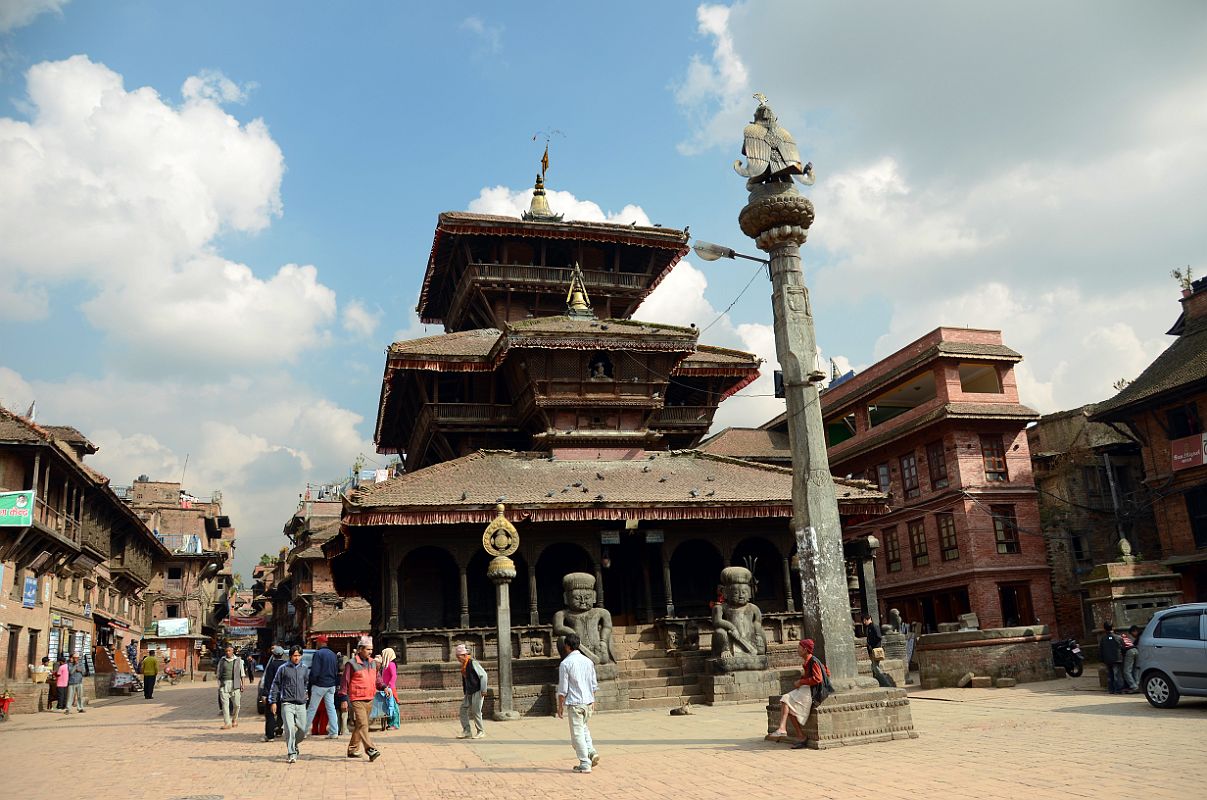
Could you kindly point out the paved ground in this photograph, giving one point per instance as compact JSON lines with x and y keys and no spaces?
{"x":1061,"y":739}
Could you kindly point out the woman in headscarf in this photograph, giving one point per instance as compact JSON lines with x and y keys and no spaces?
{"x":389,"y":678}
{"x":799,"y":701}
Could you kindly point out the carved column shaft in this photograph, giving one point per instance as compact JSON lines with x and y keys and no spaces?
{"x":790,"y":601}
{"x":666,"y":581}
{"x":533,"y":615}
{"x":464,"y":598}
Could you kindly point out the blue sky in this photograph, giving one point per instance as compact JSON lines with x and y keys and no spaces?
{"x":219,"y":213}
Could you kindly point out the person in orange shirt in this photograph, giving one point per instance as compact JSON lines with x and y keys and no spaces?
{"x":799,"y":702}
{"x":360,"y":682}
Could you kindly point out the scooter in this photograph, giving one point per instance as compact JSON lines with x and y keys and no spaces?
{"x":1067,"y":653}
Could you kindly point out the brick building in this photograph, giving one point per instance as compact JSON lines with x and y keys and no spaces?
{"x":1091,"y":494}
{"x":939,"y":426}
{"x":74,"y":567}
{"x":1163,"y":409}
{"x":187,"y":600}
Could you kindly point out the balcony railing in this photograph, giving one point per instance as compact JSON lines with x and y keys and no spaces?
{"x":57,"y":521}
{"x":686,"y":415}
{"x":560,"y":276}
{"x":471,"y":412}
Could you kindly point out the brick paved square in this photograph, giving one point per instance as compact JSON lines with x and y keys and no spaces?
{"x":1054,"y":739}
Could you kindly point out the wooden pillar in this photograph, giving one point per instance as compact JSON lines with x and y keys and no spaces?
{"x":790,"y":601}
{"x":393,"y":615}
{"x":464,"y":597}
{"x":599,"y":589}
{"x":666,"y":580}
{"x":533,"y":614}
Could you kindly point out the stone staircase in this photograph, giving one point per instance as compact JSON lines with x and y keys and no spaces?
{"x":656,"y":678}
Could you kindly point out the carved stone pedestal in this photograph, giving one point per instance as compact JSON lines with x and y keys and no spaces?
{"x":850,"y":717}
{"x":739,"y":686}
{"x":612,"y":693}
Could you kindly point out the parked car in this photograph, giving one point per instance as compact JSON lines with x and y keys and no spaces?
{"x":1173,"y":655}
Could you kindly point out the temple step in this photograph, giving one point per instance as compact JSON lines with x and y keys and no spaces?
{"x":671,"y":681}
{"x":665,"y":702}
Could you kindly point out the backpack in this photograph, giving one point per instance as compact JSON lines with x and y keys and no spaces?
{"x":824,"y":689}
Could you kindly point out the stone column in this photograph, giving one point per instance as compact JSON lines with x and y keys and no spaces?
{"x":393,"y":621}
{"x":791,"y":601}
{"x":867,"y":583}
{"x":599,"y":590}
{"x":533,"y":615}
{"x":501,"y":571}
{"x":666,"y":581}
{"x":464,"y":599}
{"x":777,"y":217}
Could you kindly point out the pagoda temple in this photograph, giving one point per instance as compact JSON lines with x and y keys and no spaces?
{"x":545,"y":398}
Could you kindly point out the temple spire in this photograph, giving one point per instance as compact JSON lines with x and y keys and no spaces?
{"x":538,"y":209}
{"x":578,"y":304}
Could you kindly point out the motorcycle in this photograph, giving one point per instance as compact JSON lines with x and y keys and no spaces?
{"x":1067,"y":653}
{"x":174,"y":675}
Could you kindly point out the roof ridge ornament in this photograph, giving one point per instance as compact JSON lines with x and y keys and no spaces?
{"x":578,"y":304}
{"x":538,"y":209}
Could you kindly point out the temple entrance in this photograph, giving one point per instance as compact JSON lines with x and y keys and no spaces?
{"x":630,"y":570}
{"x":429,"y":584}
{"x":695,"y":577}
{"x":767,"y":565}
{"x":481,"y":590}
{"x":554,"y":563}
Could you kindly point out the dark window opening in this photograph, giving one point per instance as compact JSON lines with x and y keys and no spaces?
{"x":892,"y":549}
{"x":917,"y":543}
{"x":980,"y":379}
{"x":1183,"y":421}
{"x":994,"y":456}
{"x":173,"y":611}
{"x":174,"y":573}
{"x":1016,"y":604}
{"x":936,"y":463}
{"x":909,"y":476}
{"x":948,"y":543}
{"x":1005,"y":529}
{"x":1196,"y":509}
{"x":599,"y":367}
{"x":839,"y":430}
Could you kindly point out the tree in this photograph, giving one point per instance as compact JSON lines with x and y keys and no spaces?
{"x":1184,"y":278}
{"x":266,"y":560}
{"x":1120,"y":384}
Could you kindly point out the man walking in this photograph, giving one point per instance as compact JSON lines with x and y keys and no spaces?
{"x":324,"y":680}
{"x":272,"y":719}
{"x":232,"y":680}
{"x":75,"y":685}
{"x":473,"y":683}
{"x":1131,"y":659}
{"x":149,"y":666}
{"x":576,"y":685}
{"x":288,"y":697}
{"x":1110,"y":650}
{"x":360,"y":682}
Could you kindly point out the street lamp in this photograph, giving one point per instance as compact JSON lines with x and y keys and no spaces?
{"x":712,"y":252}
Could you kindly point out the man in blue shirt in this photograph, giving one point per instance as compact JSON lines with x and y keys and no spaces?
{"x":324,"y":680}
{"x":288,"y":695}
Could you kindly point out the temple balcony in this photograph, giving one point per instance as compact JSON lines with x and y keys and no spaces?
{"x":684,"y":417}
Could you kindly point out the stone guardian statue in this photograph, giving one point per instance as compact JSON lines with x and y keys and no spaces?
{"x":593,"y":625}
{"x":737,"y":623}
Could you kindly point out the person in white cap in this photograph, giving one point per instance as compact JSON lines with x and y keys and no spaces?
{"x":360,"y":682}
{"x":473,"y":682}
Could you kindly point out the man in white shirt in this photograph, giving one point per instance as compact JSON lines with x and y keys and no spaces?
{"x":576,"y":685}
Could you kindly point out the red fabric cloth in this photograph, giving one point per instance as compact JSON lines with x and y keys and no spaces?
{"x":319,"y":727}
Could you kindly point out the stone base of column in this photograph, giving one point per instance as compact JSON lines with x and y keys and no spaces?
{"x":852,"y":717}
{"x":612,"y":693}
{"x":505,"y":716}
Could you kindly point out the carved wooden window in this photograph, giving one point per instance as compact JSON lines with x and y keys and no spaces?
{"x":1005,"y":529}
{"x":892,"y":549}
{"x":936,"y":463}
{"x":909,"y":475}
{"x":994,"y":456}
{"x":948,"y":544}
{"x":917,"y":542}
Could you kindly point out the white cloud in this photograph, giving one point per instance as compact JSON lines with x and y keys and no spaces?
{"x":18,"y":13}
{"x":508,"y":202}
{"x":489,"y":37}
{"x":125,"y":192}
{"x":361,"y":321}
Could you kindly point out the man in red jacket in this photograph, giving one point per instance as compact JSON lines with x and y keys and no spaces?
{"x":360,"y":682}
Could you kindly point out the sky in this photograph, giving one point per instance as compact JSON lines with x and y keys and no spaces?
{"x":215,"y":217}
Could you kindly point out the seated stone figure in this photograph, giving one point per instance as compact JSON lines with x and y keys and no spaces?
{"x":737,"y":623}
{"x":593,"y":625}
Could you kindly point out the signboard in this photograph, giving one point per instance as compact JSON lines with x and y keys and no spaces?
{"x":247,"y":622}
{"x":16,"y":509}
{"x":1189,"y":451}
{"x":46,"y":590}
{"x":29,"y":598}
{"x":174,"y":627}
{"x":655,"y":537}
{"x":609,"y":537}
{"x":240,"y":631}
{"x":87,"y":610}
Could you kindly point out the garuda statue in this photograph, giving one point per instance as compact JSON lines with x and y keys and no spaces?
{"x":771,"y":152}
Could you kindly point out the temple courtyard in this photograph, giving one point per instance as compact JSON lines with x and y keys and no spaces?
{"x":1056,"y":739}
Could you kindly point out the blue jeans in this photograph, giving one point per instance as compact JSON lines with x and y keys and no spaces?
{"x":326,"y":696}
{"x":293,"y":717}
{"x":580,"y":734}
{"x":1114,"y":678}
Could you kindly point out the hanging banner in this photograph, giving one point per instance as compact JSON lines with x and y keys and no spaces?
{"x":29,"y":597}
{"x":16,"y":509}
{"x":247,"y":622}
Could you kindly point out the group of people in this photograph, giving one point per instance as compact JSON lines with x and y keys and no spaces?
{"x":1120,"y":654}
{"x":64,"y":679}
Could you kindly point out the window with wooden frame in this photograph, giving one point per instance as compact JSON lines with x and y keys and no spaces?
{"x":1005,"y":529}
{"x":936,"y":463}
{"x":1182,"y":421}
{"x":949,"y":546}
{"x":909,"y":476}
{"x":994,"y":456}
{"x":917,"y":542}
{"x":892,"y":549}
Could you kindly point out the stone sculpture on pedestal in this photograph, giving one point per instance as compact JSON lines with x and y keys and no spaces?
{"x":593,"y":625}
{"x":738,"y":641}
